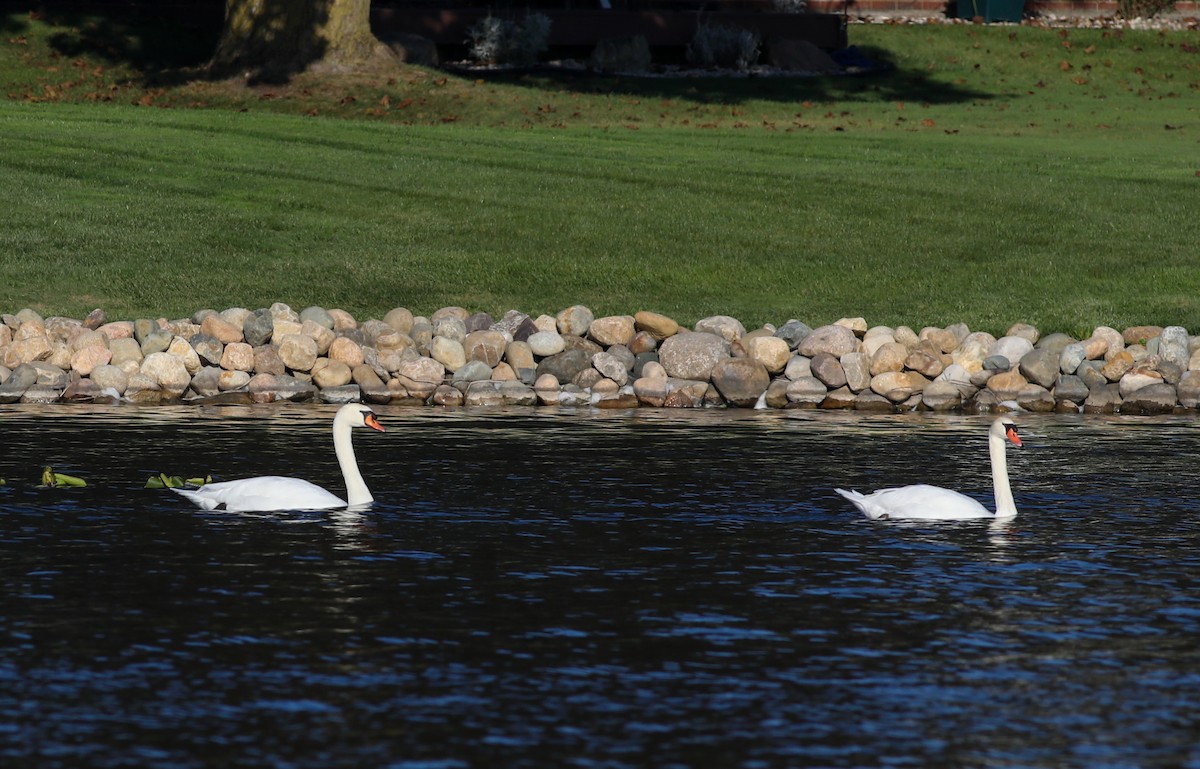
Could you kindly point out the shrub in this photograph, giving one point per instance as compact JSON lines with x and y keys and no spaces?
{"x":724,"y":47}
{"x":502,"y":41}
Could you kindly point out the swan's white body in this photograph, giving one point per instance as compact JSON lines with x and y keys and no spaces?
{"x":924,"y":502}
{"x":275,"y":492}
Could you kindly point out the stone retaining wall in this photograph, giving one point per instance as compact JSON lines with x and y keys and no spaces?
{"x":458,"y":358}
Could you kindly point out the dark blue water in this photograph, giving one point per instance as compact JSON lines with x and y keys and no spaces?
{"x":640,"y":589}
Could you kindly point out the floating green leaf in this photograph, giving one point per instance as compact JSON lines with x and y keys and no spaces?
{"x":51,"y":479}
{"x":164,"y":481}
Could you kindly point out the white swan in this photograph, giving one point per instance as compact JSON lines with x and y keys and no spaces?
{"x":924,"y":502}
{"x":274,"y":492}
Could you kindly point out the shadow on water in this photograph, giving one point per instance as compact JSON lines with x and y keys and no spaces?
{"x":634,"y":589}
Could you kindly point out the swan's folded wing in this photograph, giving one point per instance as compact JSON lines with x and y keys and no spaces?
{"x":263,"y":494}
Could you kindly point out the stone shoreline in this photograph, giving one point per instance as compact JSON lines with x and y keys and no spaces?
{"x":458,"y":358}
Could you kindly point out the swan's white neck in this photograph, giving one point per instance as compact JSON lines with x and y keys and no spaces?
{"x":357,"y":492}
{"x":1005,"y":506}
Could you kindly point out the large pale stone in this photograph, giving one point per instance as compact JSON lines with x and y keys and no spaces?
{"x":167,"y":371}
{"x":257,"y":329}
{"x":1138,"y":377}
{"x":346,"y":351}
{"x":574,"y":320}
{"x":1141,"y":334}
{"x":421,"y":376}
{"x":85,"y":338}
{"x":120,"y":329}
{"x":448,"y":352}
{"x":1069,"y":387}
{"x":889,"y":356}
{"x":125,"y":349}
{"x":1173,"y":346}
{"x":835,"y":340}
{"x":1024,"y":331}
{"x":180,"y":348}
{"x":1160,"y":398}
{"x":613,"y":329}
{"x":857,"y":367}
{"x":519,"y":355}
{"x":798,"y":366}
{"x":692,"y":355}
{"x":399,"y":318}
{"x":658,"y":326}
{"x":941,"y":395}
{"x":327,"y":372}
{"x":611,"y":367}
{"x":486,"y":346}
{"x":942,"y":339}
{"x":232,"y":380}
{"x":85,"y":360}
{"x":1118,"y":366}
{"x":857,"y":325}
{"x":1188,"y":390}
{"x":109,"y":377}
{"x":972,"y":351}
{"x":897,"y":386}
{"x":1040,"y":366}
{"x":1014,"y":348}
{"x":740,"y":381}
{"x":546,"y":343}
{"x":771,"y":351}
{"x":566,"y":365}
{"x":728,"y":328}
{"x":793,"y":332}
{"x":925,"y":359}
{"x":324,"y":337}
{"x":342,"y":320}
{"x":267,"y":361}
{"x":298,"y":351}
{"x":650,"y":391}
{"x":239,"y":356}
{"x":221,"y":329}
{"x":1072,"y":356}
{"x":27,"y":350}
{"x":876,"y":337}
{"x":208,"y":348}
{"x":828,"y":369}
{"x":806,"y":390}
{"x":1007,"y":385}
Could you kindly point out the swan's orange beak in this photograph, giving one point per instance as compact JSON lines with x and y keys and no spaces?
{"x":1010,"y":432}
{"x":370,"y":421}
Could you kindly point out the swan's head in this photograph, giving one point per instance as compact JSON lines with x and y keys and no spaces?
{"x":1006,"y":429}
{"x":358,"y":415}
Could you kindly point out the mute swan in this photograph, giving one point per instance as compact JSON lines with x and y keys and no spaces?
{"x":924,"y":502}
{"x":274,"y":492}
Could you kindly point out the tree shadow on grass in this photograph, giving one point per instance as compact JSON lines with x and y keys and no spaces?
{"x":150,"y":39}
{"x":169,"y":44}
{"x":885,"y":82}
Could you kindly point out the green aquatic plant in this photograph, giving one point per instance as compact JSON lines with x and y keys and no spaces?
{"x":51,"y":479}
{"x":164,"y":481}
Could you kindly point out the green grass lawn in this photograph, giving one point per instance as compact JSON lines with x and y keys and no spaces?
{"x":999,"y":174}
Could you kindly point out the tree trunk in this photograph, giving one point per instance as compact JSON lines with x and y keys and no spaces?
{"x":271,"y":40}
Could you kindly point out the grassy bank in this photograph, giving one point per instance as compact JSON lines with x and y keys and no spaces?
{"x":979,"y":182}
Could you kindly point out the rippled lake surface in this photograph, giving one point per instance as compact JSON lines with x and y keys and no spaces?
{"x":593,"y":589}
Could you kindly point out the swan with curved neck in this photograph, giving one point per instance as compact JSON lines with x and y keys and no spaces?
{"x":274,"y":492}
{"x":924,"y":502}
